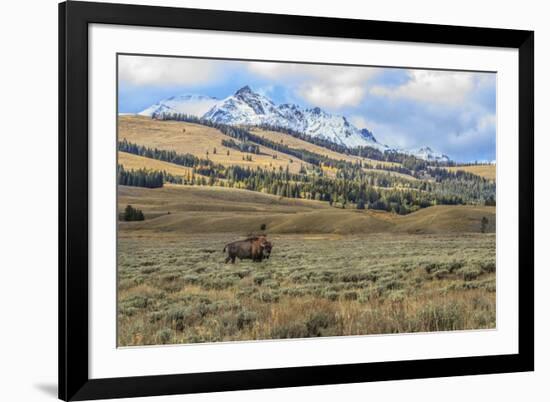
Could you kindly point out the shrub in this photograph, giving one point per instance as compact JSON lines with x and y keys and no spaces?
{"x":220,"y":284}
{"x":163,"y":336}
{"x":271,"y":284}
{"x":292,"y":330}
{"x":350,"y":295}
{"x":246,"y":318}
{"x":170,"y":277}
{"x":127,"y":311}
{"x":469,"y":274}
{"x":156,"y":316}
{"x":319,"y":321}
{"x":191,"y":279}
{"x":331,"y":295}
{"x":431,"y":267}
{"x":441,"y":273}
{"x":358,"y":276}
{"x":268,"y":297}
{"x":138,"y":302}
{"x":453,"y":266}
{"x":132,"y":214}
{"x":179,"y":318}
{"x":260,"y":278}
{"x":242,"y":274}
{"x":488,"y":267}
{"x":485,"y":319}
{"x":390,"y":284}
{"x":246,"y":292}
{"x":396,"y":296}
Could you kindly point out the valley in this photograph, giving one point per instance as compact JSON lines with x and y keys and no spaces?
{"x":365,"y":239}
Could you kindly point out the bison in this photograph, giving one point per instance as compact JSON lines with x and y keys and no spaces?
{"x":255,"y":248}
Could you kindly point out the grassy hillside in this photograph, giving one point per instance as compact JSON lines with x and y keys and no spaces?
{"x":192,"y":209}
{"x":486,"y":171}
{"x":197,"y":140}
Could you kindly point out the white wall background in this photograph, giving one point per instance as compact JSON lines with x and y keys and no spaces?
{"x":28,"y":199}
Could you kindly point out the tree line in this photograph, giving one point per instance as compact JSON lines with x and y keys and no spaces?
{"x":145,"y":177}
{"x":242,"y":146}
{"x":187,"y":160}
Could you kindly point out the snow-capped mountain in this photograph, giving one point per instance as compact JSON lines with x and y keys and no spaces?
{"x":429,"y":155}
{"x":195,"y":105}
{"x":247,"y":107}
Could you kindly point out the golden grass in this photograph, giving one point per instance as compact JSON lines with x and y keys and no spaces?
{"x":196,"y":139}
{"x":486,"y":171}
{"x":131,"y":161}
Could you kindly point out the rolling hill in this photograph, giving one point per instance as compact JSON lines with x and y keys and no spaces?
{"x":192,"y":209}
{"x":195,"y":139}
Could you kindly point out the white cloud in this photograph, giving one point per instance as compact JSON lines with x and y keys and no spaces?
{"x":441,"y":87}
{"x":165,"y":71}
{"x":278,"y":70}
{"x":359,"y":121}
{"x":332,"y":87}
{"x":330,"y":95}
{"x":487,"y":122}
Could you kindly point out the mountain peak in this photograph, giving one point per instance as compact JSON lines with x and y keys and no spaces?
{"x":244,"y":90}
{"x":247,"y":107}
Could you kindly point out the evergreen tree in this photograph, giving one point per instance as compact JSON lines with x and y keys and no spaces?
{"x":132,"y":214}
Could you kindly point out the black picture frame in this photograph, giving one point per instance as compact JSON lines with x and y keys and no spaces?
{"x":74,"y":18}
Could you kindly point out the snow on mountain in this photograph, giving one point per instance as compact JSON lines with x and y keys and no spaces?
{"x":427,"y":154}
{"x":195,"y":105}
{"x":247,"y":107}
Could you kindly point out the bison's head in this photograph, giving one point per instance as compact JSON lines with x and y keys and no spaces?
{"x":266,"y":248}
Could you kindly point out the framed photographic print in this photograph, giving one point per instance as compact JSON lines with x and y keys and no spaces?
{"x":257,"y":201}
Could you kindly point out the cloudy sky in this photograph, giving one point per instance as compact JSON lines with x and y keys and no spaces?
{"x":452,"y":112}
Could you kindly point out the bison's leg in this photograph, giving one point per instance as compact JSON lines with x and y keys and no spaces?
{"x":233,"y":259}
{"x":227,"y":259}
